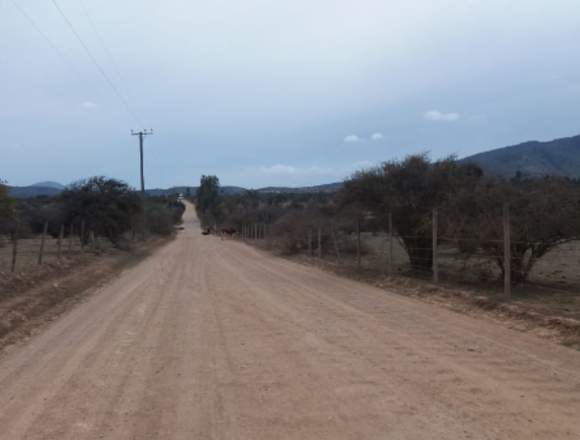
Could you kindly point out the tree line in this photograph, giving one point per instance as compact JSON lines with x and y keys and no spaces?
{"x":544,"y":211}
{"x":108,"y":207}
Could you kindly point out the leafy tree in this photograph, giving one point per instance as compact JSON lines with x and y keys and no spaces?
{"x":107,"y":206}
{"x":6,"y":209}
{"x":208,"y":200}
{"x":544,"y":213}
{"x":410,"y":189}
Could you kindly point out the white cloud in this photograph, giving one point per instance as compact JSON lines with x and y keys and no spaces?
{"x":438,"y":116}
{"x":353,"y":139}
{"x":278,"y":169}
{"x":289,"y":170}
{"x":363,"y":164}
{"x":89,"y":105}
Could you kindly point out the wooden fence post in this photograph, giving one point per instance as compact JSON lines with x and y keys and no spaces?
{"x":333,"y":234}
{"x":82,"y":236}
{"x":358,"y":243}
{"x":309,"y":238}
{"x":435,"y":262}
{"x":42,"y":239}
{"x":14,"y":250}
{"x":70,"y":237}
{"x":319,"y":242}
{"x":92,"y":239}
{"x":507,"y":253}
{"x":59,"y":242}
{"x":390,"y":263}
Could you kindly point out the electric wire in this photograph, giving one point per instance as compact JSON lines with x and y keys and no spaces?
{"x":103,"y":45}
{"x":96,"y":63}
{"x":48,"y":40}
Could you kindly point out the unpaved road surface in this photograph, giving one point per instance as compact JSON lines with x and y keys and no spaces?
{"x":210,"y":339}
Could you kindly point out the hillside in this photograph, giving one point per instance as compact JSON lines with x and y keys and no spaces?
{"x":53,"y":189}
{"x":228,"y":190}
{"x":325,"y":188}
{"x":25,"y":192}
{"x":49,"y":184}
{"x":190,"y":190}
{"x":559,"y":157}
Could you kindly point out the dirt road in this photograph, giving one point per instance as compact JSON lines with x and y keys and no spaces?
{"x":210,"y":339}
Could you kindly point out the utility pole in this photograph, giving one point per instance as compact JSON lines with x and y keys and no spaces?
{"x":141,"y":135}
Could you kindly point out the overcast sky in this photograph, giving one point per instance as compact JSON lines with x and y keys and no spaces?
{"x":277,"y":92}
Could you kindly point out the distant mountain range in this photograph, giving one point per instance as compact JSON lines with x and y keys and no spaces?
{"x":50,"y":189}
{"x":46,"y":189}
{"x":227,"y":190}
{"x":49,"y":184}
{"x":185,"y":190}
{"x":558,"y":157}
{"x":325,"y":188}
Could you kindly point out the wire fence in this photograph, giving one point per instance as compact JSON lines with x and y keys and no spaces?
{"x":491,"y":263}
{"x":25,"y":252}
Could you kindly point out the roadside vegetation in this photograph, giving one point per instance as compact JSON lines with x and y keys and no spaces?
{"x":544,"y":215}
{"x":107,"y":208}
{"x":54,"y":248}
{"x":94,"y":216}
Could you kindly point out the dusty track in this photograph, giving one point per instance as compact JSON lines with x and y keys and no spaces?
{"x":210,"y":339}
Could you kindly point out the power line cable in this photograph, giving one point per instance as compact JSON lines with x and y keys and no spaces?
{"x":103,"y":45}
{"x":49,"y":41}
{"x":96,"y":63}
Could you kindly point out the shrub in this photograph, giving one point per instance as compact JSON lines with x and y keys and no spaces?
{"x":6,"y":210}
{"x":410,"y":189}
{"x":107,"y":206}
{"x":544,"y":213}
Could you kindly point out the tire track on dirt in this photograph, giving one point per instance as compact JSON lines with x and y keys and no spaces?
{"x":212,"y":339}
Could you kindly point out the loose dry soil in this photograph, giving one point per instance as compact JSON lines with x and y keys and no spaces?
{"x":212,"y":339}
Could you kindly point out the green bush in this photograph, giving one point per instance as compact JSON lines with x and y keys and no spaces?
{"x":106,"y":206}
